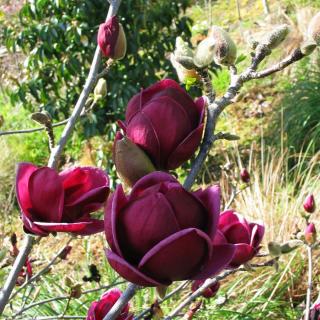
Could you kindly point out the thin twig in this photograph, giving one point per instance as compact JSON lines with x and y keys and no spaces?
{"x":309,"y":289}
{"x":54,"y":157}
{"x":121,"y":302}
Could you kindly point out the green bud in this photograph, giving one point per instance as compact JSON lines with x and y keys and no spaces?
{"x":308,"y":47}
{"x":42,"y":117}
{"x":274,"y":249}
{"x":100,"y":90}
{"x":290,"y":245}
{"x":183,"y":73}
{"x":314,"y":29}
{"x":225,"y":50}
{"x":276,"y":36}
{"x":204,"y":54}
{"x":68,"y":282}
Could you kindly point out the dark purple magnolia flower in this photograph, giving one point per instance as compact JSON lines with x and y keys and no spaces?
{"x":99,"y":309}
{"x":52,"y":202}
{"x":166,"y":123}
{"x":161,"y":232}
{"x":207,"y":293}
{"x":244,"y":175}
{"x":112,"y":39}
{"x":309,"y":204}
{"x":234,"y":228}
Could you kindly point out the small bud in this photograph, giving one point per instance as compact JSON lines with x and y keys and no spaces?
{"x":112,"y":39}
{"x":314,"y":29}
{"x":309,"y":204}
{"x":290,"y":246}
{"x":42,"y":118}
{"x":308,"y":47}
{"x":100,"y":90}
{"x":131,"y":162}
{"x":310,"y":234}
{"x":76,"y":291}
{"x":183,"y":54}
{"x":204,"y":54}
{"x":276,"y":37}
{"x":245,"y":175}
{"x":68,"y":282}
{"x":208,"y":292}
{"x":225,"y":50}
{"x":274,"y":249}
{"x":184,"y":74}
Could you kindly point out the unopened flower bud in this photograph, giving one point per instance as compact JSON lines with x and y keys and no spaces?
{"x":314,"y":29}
{"x":76,"y":291}
{"x":274,"y":249}
{"x":131,"y":162}
{"x":310,"y":234}
{"x":112,"y":39}
{"x":183,"y":73}
{"x":208,"y":292}
{"x":100,"y":90}
{"x":245,"y":175}
{"x":276,"y":36}
{"x":42,"y":117}
{"x":183,"y":54}
{"x":309,"y":204}
{"x":225,"y":50}
{"x":204,"y":54}
{"x":308,"y":47}
{"x":290,"y":246}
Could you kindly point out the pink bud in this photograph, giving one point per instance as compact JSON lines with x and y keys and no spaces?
{"x":207,"y":293}
{"x":244,"y":175}
{"x":309,"y":204}
{"x":310,"y":234}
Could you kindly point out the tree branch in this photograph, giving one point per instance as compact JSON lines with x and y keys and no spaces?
{"x":309,"y":289}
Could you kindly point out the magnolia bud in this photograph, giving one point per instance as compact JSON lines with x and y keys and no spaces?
{"x":225,"y":50}
{"x":204,"y":54}
{"x":76,"y":291}
{"x":310,"y":234}
{"x":112,"y":39}
{"x":309,"y":204}
{"x":183,"y":74}
{"x":43,"y":118}
{"x":308,"y":47}
{"x":275,"y":37}
{"x":244,"y":175}
{"x":183,"y":54}
{"x":131,"y":162}
{"x":274,"y":249}
{"x":100,"y":90}
{"x":290,"y":246}
{"x":314,"y":29}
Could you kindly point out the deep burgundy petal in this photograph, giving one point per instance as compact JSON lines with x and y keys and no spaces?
{"x":219,"y":238}
{"x":237,"y":233}
{"x":143,"y":223}
{"x":24,"y":172}
{"x":244,"y":252}
{"x":189,"y":211}
{"x":210,"y":198}
{"x":150,"y":180}
{"x":140,"y":131}
{"x":129,"y":272}
{"x":115,"y":203}
{"x":229,"y":217}
{"x":220,"y":258}
{"x":30,"y":227}
{"x":46,"y":195}
{"x":201,"y":103}
{"x":185,"y":149}
{"x":107,"y":36}
{"x":178,"y":257}
{"x":257,"y":233}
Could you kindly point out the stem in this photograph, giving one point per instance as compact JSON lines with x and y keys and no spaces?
{"x":309,"y":290}
{"x":121,"y":302}
{"x":54,"y":157}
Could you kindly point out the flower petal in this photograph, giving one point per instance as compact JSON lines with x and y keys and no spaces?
{"x":185,"y":149}
{"x":237,"y":233}
{"x":244,"y":252}
{"x":24,"y":171}
{"x":178,"y":257}
{"x":210,"y":198}
{"x":220,"y":258}
{"x":143,"y":223}
{"x":46,"y":195}
{"x":219,"y":238}
{"x":115,"y":203}
{"x":230,"y":217}
{"x":30,"y":227}
{"x":201,"y":103}
{"x":129,"y":272}
{"x":257,"y":233}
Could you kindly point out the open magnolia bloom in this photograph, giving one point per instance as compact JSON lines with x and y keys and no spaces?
{"x":234,"y":228}
{"x":166,"y":123}
{"x":161,"y":232}
{"x":52,"y":202}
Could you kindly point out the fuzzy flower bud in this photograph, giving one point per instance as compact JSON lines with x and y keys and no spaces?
{"x":225,"y":50}
{"x":204,"y":54}
{"x":314,"y":29}
{"x":308,"y":47}
{"x":112,"y":39}
{"x":245,"y":175}
{"x":131,"y":161}
{"x":276,"y":37}
{"x":310,"y":234}
{"x":100,"y":90}
{"x":309,"y":204}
